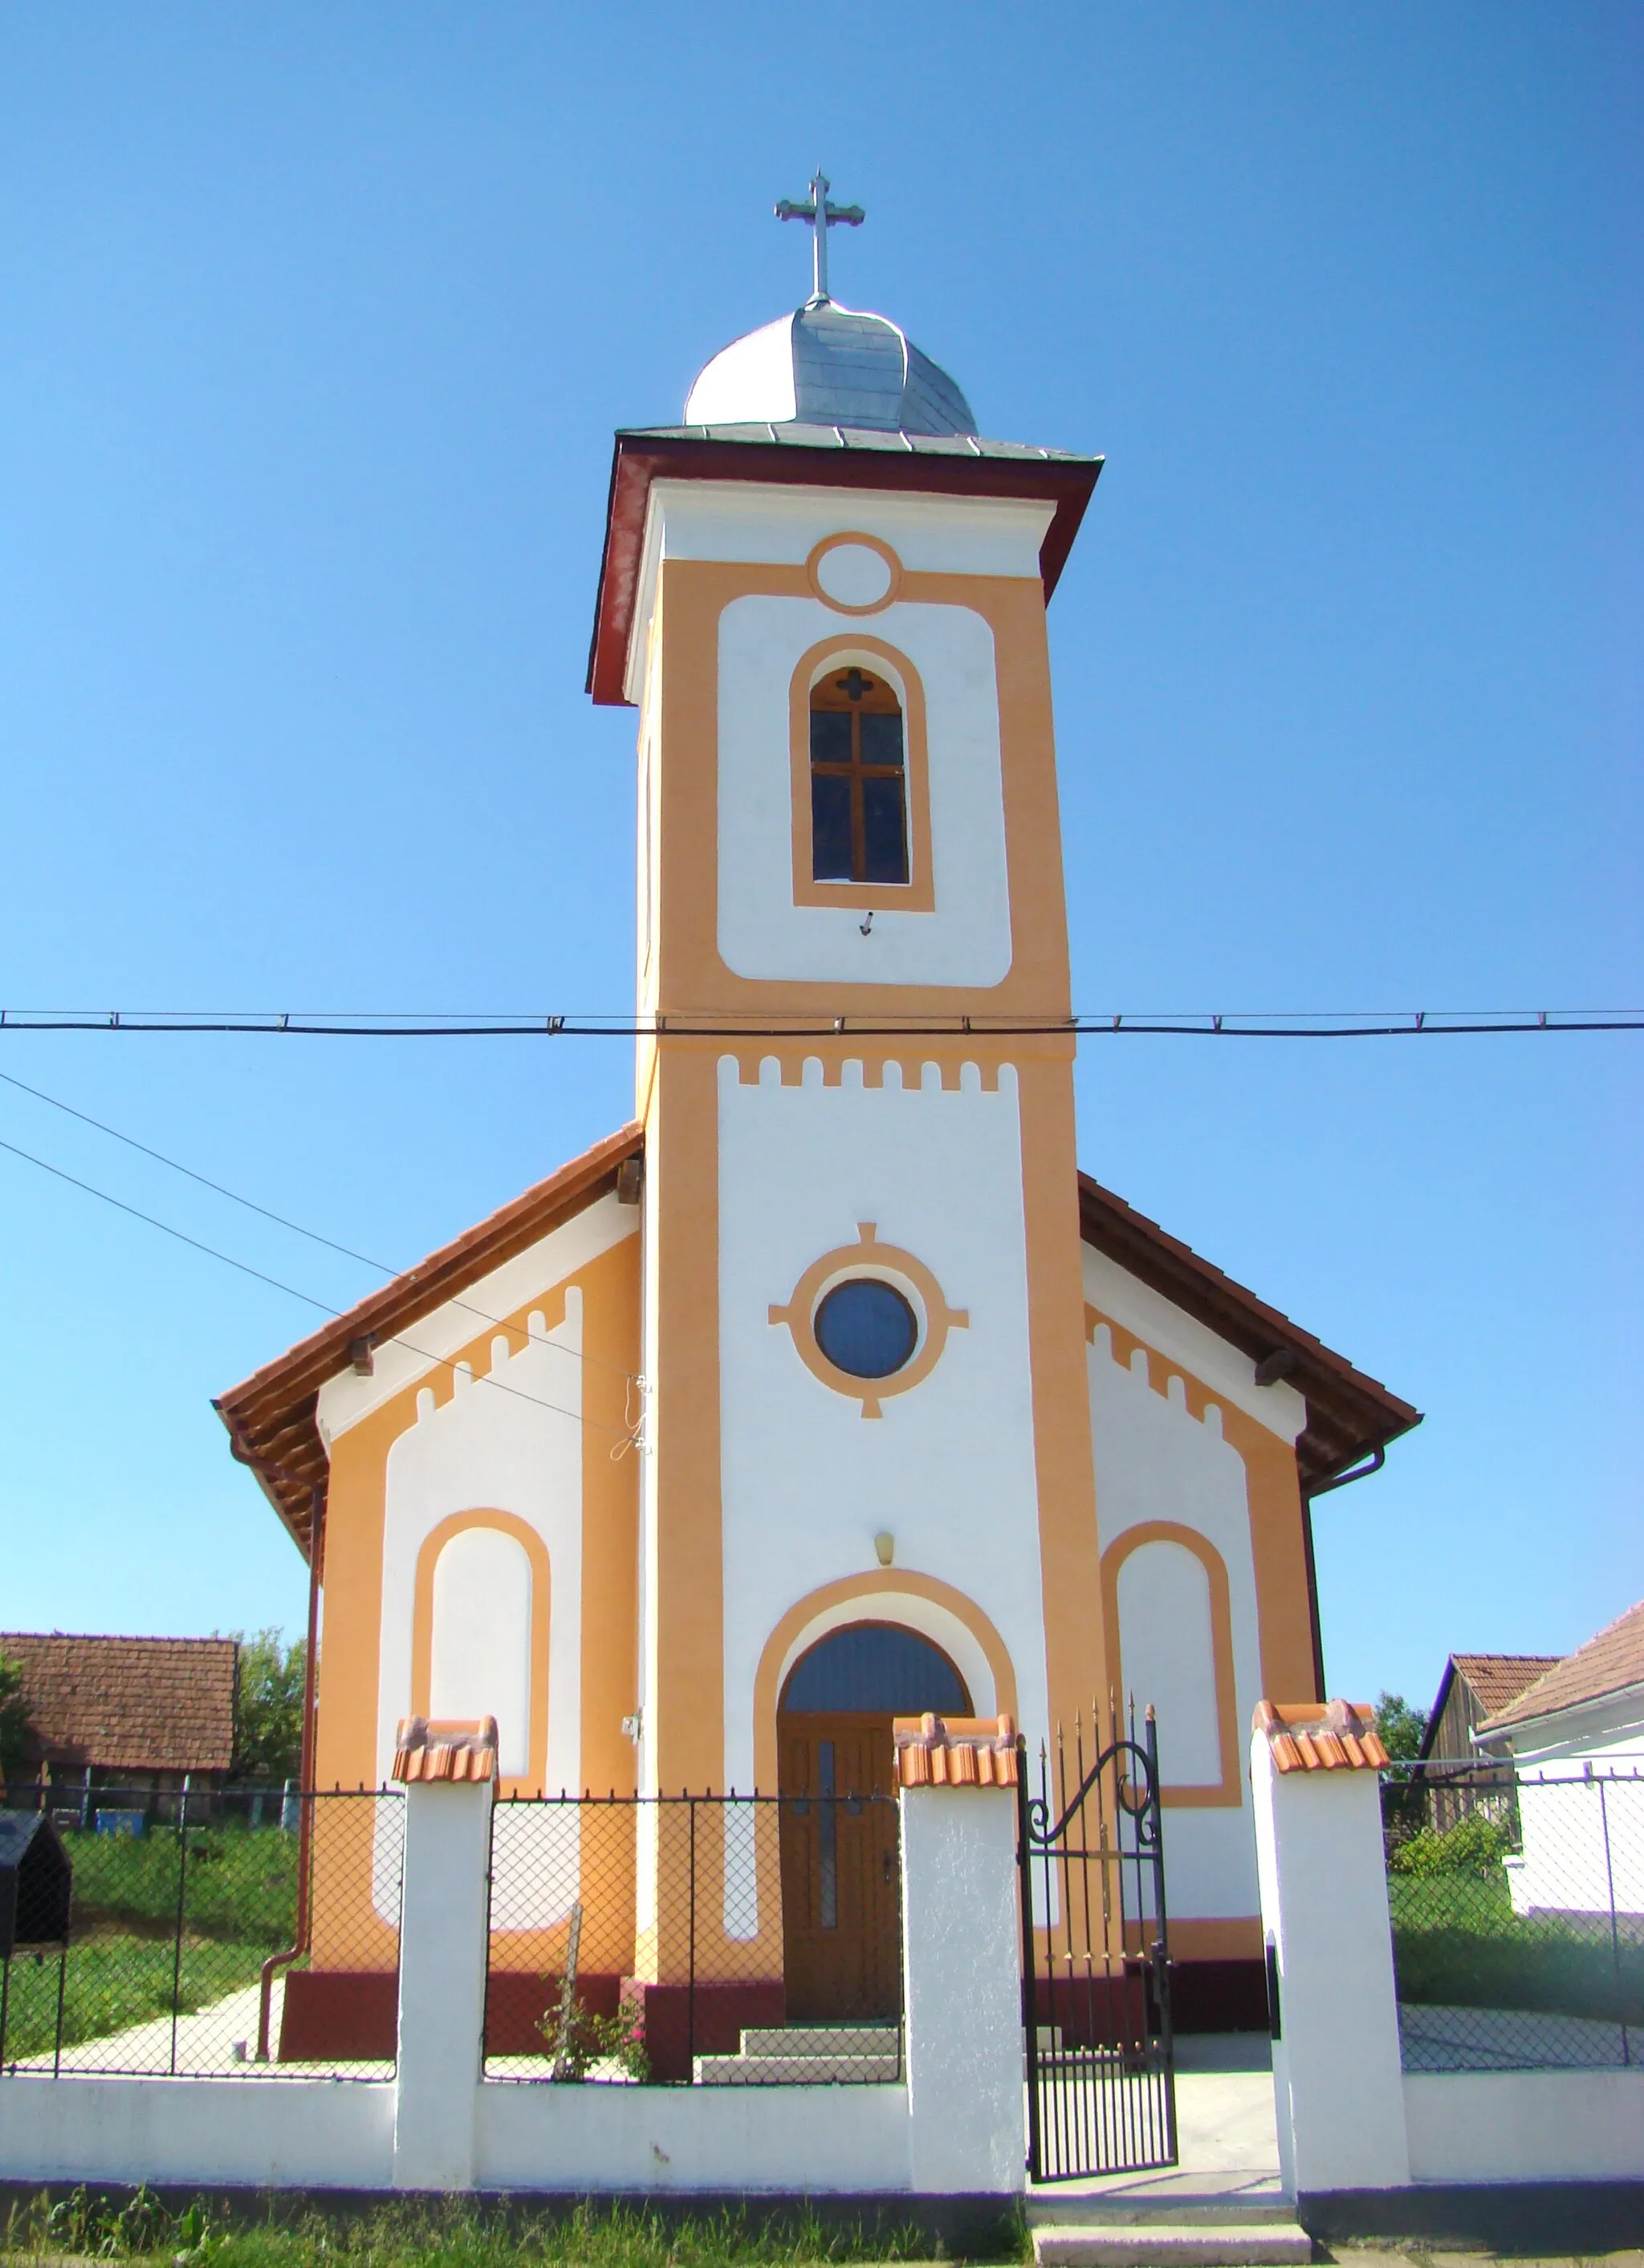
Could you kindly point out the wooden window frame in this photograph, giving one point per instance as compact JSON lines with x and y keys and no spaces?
{"x":917,"y":894}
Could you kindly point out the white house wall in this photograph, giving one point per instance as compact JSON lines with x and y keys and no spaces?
{"x":949,"y":1467}
{"x":1155,"y":1461}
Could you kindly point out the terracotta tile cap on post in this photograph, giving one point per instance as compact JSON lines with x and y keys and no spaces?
{"x":1321,"y":1735}
{"x":956,"y":1751}
{"x":444,"y":1748}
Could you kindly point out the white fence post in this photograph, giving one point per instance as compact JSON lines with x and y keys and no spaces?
{"x":1337,"y":2083}
{"x":449,"y":1773}
{"x":961,"y":1968}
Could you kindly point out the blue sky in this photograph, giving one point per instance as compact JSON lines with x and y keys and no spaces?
{"x":316,"y":324}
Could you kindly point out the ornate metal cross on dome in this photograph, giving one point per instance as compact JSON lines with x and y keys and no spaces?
{"x":822,"y":216}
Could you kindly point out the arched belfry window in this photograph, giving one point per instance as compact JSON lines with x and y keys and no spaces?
{"x":858,"y":778}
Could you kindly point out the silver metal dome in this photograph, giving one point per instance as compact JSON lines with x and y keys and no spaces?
{"x":829,"y":366}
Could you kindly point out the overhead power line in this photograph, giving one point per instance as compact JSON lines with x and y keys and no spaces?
{"x":1372,"y":1024}
{"x":244,"y":1268}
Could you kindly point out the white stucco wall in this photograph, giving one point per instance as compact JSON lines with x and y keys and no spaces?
{"x":1525,"y":2125}
{"x":1155,"y":1461}
{"x":761,"y":933}
{"x":949,"y":1467}
{"x":298,"y":2133}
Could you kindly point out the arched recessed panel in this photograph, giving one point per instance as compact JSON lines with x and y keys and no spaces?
{"x":879,"y":1667}
{"x":480,"y":1660}
{"x":1167,"y":1641}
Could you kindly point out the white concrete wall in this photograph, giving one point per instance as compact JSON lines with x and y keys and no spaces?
{"x":296,"y":2134}
{"x":761,"y":933}
{"x":1155,"y":1461}
{"x":773,"y":2139}
{"x":1338,"y":2089}
{"x":1582,"y":1840}
{"x":1525,"y":2125}
{"x":949,"y":1467}
{"x":962,"y":1978}
{"x":443,"y":1952}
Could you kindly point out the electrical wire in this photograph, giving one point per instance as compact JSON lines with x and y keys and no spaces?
{"x":450,"y":1362}
{"x":176,"y":1166}
{"x":1345,"y":1025}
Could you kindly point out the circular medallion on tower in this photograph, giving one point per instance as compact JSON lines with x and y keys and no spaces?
{"x":869,"y":1319}
{"x":854,"y":574}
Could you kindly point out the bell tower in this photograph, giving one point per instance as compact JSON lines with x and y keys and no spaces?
{"x":864,"y":1338}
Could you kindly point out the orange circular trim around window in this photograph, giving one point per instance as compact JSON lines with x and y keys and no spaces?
{"x":819,"y":552}
{"x":869,"y":1257}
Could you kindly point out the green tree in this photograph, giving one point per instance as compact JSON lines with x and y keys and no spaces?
{"x":269,"y":1707}
{"x":1404,"y":1797}
{"x":1403,"y":1729}
{"x":13,"y":1719}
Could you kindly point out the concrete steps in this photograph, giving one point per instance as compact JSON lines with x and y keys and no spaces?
{"x":1172,"y":2240}
{"x":802,"y":2055}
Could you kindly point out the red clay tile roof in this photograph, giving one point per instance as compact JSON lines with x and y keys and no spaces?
{"x":1499,"y":1679}
{"x":1609,"y":1663}
{"x":444,"y":1748}
{"x":1321,"y":1735}
{"x":270,"y":1416}
{"x":1349,"y":1415}
{"x":954,"y":1751}
{"x":128,"y":1703}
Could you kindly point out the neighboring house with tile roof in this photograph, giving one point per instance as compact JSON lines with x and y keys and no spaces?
{"x":829,"y":1388}
{"x":1576,"y":1741}
{"x":1473,"y":1687}
{"x":136,"y":1712}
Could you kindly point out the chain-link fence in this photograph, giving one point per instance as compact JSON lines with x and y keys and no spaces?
{"x":1517,"y":1905}
{"x":205,"y":1947}
{"x":714,"y":1941}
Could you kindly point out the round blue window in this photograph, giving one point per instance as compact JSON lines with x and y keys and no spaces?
{"x":865,"y":1328}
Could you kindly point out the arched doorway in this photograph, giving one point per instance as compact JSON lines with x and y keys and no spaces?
{"x":840,"y":1949}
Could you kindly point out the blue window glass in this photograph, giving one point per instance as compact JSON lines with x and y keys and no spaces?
{"x":865,"y":1328}
{"x":879,"y":1667}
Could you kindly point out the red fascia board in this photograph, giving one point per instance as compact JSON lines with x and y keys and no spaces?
{"x":641,"y":459}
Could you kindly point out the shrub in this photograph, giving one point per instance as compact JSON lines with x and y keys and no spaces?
{"x":1475,"y":1845}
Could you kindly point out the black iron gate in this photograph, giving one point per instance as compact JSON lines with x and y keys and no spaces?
{"x":1095,"y":1962}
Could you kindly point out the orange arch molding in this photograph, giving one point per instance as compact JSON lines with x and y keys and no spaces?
{"x":869,"y":1586}
{"x":1229,"y":1792}
{"x":433,"y":1543}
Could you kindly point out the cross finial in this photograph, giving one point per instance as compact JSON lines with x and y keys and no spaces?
{"x":822,"y":216}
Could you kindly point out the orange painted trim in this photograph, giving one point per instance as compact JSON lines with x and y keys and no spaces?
{"x":917,"y":894}
{"x":873,"y":1583}
{"x":866,"y":1258}
{"x":819,"y":552}
{"x":1273,"y":1495}
{"x":1229,"y":1792}
{"x":506,"y":1523}
{"x":1222,"y":1937}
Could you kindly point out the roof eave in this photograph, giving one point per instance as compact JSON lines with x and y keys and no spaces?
{"x":1350,"y":1415}
{"x":642,"y":456}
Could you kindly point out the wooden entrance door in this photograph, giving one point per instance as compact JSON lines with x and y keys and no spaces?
{"x":842,"y":1943}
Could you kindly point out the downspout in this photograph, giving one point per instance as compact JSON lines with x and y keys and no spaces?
{"x":305,"y":1794}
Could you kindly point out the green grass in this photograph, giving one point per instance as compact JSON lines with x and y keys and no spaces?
{"x":1457,"y":1943}
{"x":462,"y":2237}
{"x":240,"y":1884}
{"x":115,"y":1982}
{"x":240,"y":1904}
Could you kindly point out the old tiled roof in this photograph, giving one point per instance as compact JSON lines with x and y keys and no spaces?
{"x":956,"y":1751}
{"x":272,"y":1416}
{"x":128,"y":1703}
{"x":1321,"y":1735}
{"x":444,"y":1748}
{"x":1498,"y":1679}
{"x":1609,"y":1663}
{"x":1350,"y":1416}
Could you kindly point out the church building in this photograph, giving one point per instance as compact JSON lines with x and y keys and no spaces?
{"x":829,"y":1388}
